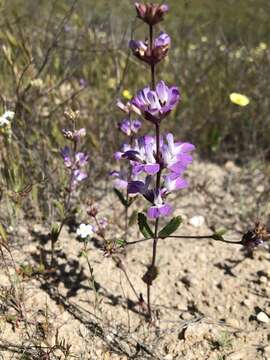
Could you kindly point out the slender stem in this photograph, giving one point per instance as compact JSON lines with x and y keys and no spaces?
{"x":127,"y":194}
{"x":211,"y":237}
{"x":151,"y":39}
{"x":118,"y":261}
{"x":130,"y":283}
{"x":155,"y":240}
{"x":66,"y":204}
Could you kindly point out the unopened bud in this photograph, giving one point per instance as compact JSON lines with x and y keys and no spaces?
{"x":151,"y":13}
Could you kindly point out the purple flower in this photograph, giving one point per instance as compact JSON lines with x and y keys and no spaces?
{"x":156,"y":105}
{"x":66,"y":154}
{"x":124,"y":148}
{"x":75,"y":135}
{"x":79,"y":176}
{"x":141,"y":49}
{"x":75,"y":163}
{"x":176,"y":156}
{"x":173,"y":182}
{"x":159,"y":208}
{"x":82,"y":82}
{"x":151,"y":13}
{"x":163,"y":40}
{"x":129,"y":127}
{"x":142,"y":156}
{"x":120,"y":181}
{"x":81,"y":159}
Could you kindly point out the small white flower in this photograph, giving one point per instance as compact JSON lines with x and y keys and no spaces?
{"x":6,"y":117}
{"x":85,"y":230}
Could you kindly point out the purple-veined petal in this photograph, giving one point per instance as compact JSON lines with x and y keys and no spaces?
{"x":153,"y":212}
{"x":151,"y":169}
{"x":165,"y":210}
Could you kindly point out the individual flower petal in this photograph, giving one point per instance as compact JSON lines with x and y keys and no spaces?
{"x":172,"y":183}
{"x":120,"y":179}
{"x":157,"y":211}
{"x":151,"y":169}
{"x":159,"y":208}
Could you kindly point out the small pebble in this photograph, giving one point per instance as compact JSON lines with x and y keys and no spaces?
{"x":262,"y":317}
{"x":197,"y":221}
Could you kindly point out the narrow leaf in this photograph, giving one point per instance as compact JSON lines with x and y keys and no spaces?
{"x":144,"y":227}
{"x":120,"y":242}
{"x":171,"y":227}
{"x":121,"y":197}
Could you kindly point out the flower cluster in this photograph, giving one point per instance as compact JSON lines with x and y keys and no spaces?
{"x":74,"y":161}
{"x":129,"y":127}
{"x":174,"y":157}
{"x":142,"y":50}
{"x":155,"y":105}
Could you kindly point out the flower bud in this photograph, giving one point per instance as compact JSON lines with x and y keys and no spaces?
{"x":92,"y":210}
{"x":151,"y":13}
{"x":255,"y":237}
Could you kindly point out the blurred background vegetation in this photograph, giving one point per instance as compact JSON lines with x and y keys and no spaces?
{"x":58,"y":54}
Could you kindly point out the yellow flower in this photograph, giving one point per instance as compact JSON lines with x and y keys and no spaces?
{"x":239,"y":99}
{"x":112,"y":83}
{"x":262,"y":46}
{"x":127,"y":94}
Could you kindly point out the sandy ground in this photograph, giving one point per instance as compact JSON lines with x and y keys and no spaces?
{"x":211,"y":300}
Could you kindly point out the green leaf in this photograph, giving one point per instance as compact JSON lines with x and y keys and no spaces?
{"x":170,"y":228}
{"x":55,"y":232}
{"x":60,"y":208}
{"x":121,"y":197}
{"x":144,"y":227}
{"x":120,"y":242}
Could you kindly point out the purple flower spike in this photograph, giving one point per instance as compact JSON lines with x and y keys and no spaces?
{"x":156,"y":105}
{"x":130,"y":127}
{"x":74,"y":163}
{"x":159,"y":209}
